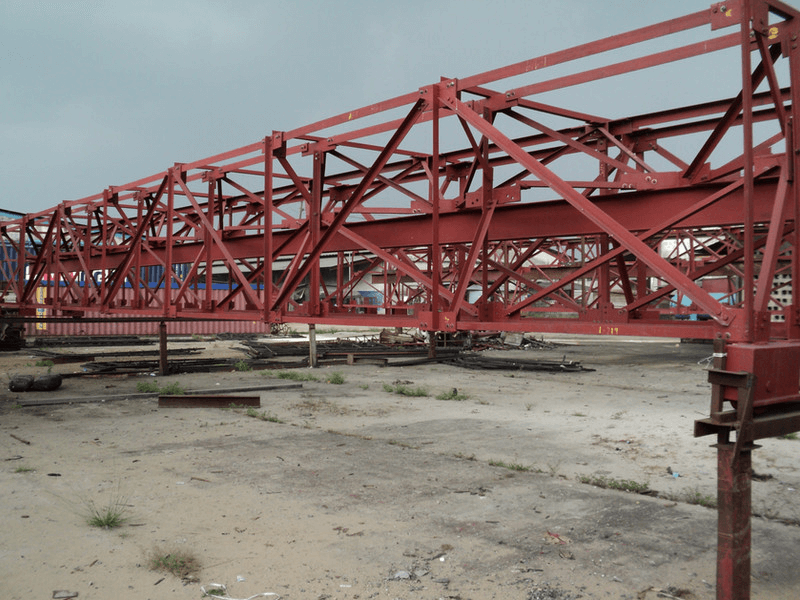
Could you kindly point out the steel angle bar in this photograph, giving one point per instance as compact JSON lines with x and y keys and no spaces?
{"x":649,"y":32}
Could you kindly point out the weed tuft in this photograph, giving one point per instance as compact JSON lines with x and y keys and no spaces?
{"x":624,"y":485}
{"x":147,"y":387}
{"x":295,"y":376}
{"x":24,"y":470}
{"x":242,"y":365}
{"x":110,"y":515}
{"x":262,"y":416}
{"x":172,"y":389}
{"x":509,"y":466}
{"x":695,"y":496}
{"x":452,"y":395}
{"x":335,"y":378}
{"x":180,"y":563}
{"x":404,"y":390}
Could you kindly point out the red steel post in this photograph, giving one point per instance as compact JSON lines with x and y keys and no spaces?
{"x":733,"y":529}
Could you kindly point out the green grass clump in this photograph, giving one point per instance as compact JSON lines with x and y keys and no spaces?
{"x":44,"y":363}
{"x":242,"y":365}
{"x":109,"y":515}
{"x":179,"y":563}
{"x":789,"y":436}
{"x":335,"y":378}
{"x":172,"y":389}
{"x":404,"y":390}
{"x":509,"y":466}
{"x":624,"y":485}
{"x":24,"y":470}
{"x":296,"y":376}
{"x":452,"y":395}
{"x":147,"y":387}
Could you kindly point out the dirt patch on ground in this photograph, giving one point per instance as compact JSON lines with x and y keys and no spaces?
{"x":352,"y":491}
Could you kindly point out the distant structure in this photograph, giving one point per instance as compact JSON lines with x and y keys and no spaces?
{"x":9,"y":215}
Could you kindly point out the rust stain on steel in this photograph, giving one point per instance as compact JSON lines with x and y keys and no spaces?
{"x":207,"y":401}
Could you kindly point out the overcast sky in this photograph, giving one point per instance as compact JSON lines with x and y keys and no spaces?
{"x":94,"y":94}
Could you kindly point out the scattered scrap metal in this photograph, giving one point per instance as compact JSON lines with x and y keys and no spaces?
{"x":62,"y":357}
{"x":409,"y":350}
{"x":188,"y":365}
{"x":476,"y":361}
{"x":390,"y":348}
{"x":92,"y":340}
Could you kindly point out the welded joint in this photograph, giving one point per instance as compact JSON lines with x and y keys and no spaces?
{"x":213,"y":175}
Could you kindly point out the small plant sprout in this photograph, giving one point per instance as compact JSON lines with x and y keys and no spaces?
{"x":695,"y":496}
{"x":262,"y":416}
{"x":24,"y":470}
{"x":242,"y":365}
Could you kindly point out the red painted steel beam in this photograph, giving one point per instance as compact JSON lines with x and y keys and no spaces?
{"x":263,"y":218}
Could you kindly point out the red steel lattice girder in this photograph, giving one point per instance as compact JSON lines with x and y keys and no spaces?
{"x":472,"y":205}
{"x":469,"y":206}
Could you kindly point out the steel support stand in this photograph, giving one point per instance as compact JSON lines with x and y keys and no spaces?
{"x":432,"y":345}
{"x":312,"y":346}
{"x":733,"y":528}
{"x":163,"y":366}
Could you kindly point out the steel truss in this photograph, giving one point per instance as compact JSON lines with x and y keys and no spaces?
{"x":499,"y":201}
{"x":467,"y":208}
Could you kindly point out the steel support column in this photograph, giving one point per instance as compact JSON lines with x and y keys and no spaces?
{"x":163,"y":363}
{"x":734,"y":468}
